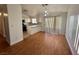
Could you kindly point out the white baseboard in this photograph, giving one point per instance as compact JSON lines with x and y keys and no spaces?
{"x":12,"y":43}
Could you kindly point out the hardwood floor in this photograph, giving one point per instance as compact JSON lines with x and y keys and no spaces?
{"x":38,"y":44}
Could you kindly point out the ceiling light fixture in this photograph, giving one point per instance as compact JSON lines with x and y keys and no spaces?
{"x":0,"y":13}
{"x":5,"y":14}
{"x":45,"y":9}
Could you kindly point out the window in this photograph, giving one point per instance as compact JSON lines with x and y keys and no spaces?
{"x":34,"y":21}
{"x":27,"y":20}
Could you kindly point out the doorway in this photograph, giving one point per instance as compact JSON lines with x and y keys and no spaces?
{"x":24,"y":27}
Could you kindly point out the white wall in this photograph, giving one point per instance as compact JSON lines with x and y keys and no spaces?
{"x":2,"y":27}
{"x":42,"y":23}
{"x":64,"y":21}
{"x":15,"y":23}
{"x":71,"y":26}
{"x":6,"y":24}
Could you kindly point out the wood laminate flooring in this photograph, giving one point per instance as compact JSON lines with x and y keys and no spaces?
{"x":38,"y":44}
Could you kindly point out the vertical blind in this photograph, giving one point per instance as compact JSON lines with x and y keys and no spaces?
{"x":53,"y":24}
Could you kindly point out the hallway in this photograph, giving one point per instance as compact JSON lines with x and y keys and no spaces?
{"x":40,"y":43}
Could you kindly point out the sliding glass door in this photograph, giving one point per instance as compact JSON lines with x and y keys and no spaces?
{"x":49,"y":25}
{"x":53,"y":24}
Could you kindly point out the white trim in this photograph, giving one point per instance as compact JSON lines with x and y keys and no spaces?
{"x":12,"y":43}
{"x":76,"y":40}
{"x":71,"y":47}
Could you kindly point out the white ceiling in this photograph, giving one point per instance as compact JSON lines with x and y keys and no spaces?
{"x":34,"y":9}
